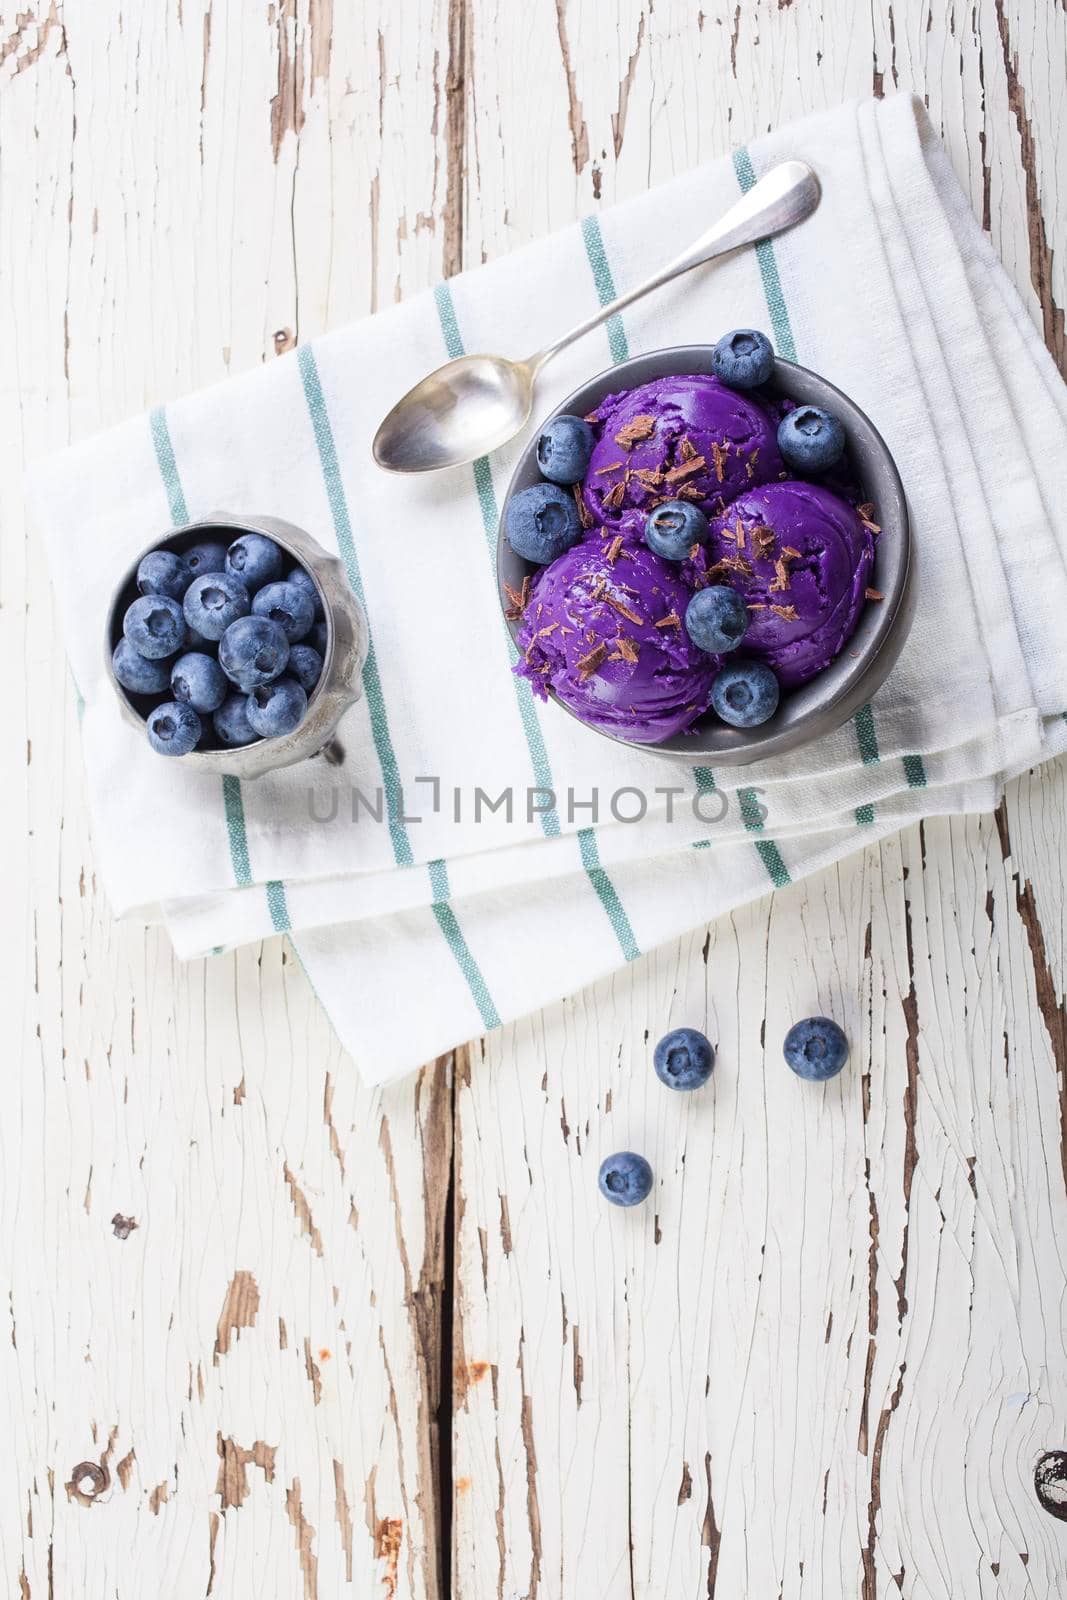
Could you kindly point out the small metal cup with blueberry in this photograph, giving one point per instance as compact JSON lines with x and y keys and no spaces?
{"x":237,"y":645}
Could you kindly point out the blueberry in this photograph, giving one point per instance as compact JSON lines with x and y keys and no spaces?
{"x":213,"y":601}
{"x":198,"y":681}
{"x":683,"y":1059}
{"x":318,"y":638}
{"x":563,"y":450}
{"x":716,"y":619}
{"x":743,"y":359}
{"x":287,"y":604}
{"x":303,"y":580}
{"x":254,"y":559}
{"x":277,"y":708}
{"x":816,"y":1049}
{"x":674,"y":527}
{"x":136,"y":673}
{"x":542,"y":522}
{"x":745,"y":694}
{"x":253,"y":650}
{"x":810,"y":439}
{"x":209,"y":556}
{"x":625,"y":1179}
{"x":154,"y":626}
{"x":305,"y":664}
{"x":231,"y":721}
{"x":162,"y":572}
{"x":173,"y":729}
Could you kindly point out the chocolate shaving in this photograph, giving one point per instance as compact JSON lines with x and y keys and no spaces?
{"x":543,"y":633}
{"x":650,"y":475}
{"x":585,"y":516}
{"x":757,"y":605}
{"x":625,"y":650}
{"x":736,"y":564}
{"x":763,"y":540}
{"x":694,"y":551}
{"x":614,"y":498}
{"x":519,"y":599}
{"x":686,"y":470}
{"x":687,"y":449}
{"x":750,"y":464}
{"x":671,"y":620}
{"x":639,"y":428}
{"x":865,"y":514}
{"x":739,"y":530}
{"x":623,"y":609}
{"x":689,"y":491}
{"x":589,"y":664}
{"x":611,"y":554}
{"x":720,"y":571}
{"x":718,"y":456}
{"x":873,"y":594}
{"x":787,"y":613}
{"x":591,"y":416}
{"x":612,"y":466}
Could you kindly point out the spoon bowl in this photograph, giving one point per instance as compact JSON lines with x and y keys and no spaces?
{"x":462,"y":411}
{"x":477,"y":403}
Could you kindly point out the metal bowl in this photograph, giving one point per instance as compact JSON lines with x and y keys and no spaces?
{"x":339,"y":684}
{"x":815,"y":708}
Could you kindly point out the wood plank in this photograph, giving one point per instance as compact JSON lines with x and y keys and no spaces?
{"x":222,"y":1259}
{"x":829,"y":1355}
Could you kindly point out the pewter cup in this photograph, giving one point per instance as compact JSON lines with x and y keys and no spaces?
{"x":339,"y":685}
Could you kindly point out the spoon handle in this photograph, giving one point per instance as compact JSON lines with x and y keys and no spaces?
{"x":782,"y":197}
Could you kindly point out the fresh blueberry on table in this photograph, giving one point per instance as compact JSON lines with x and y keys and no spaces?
{"x":305,"y":665}
{"x":810,"y":439}
{"x":303,"y":580}
{"x":162,"y":572}
{"x":816,"y":1049}
{"x":231,"y":721}
{"x":287,"y":604}
{"x":197,"y":680}
{"x":318,"y":638}
{"x":276,"y":708}
{"x":253,"y":650}
{"x":207,"y":556}
{"x":154,"y":626}
{"x":717,"y":619}
{"x":745,"y":693}
{"x":254,"y":559}
{"x":173,"y":729}
{"x":542,"y":522}
{"x":674,"y":527}
{"x":136,"y":673}
{"x":743,"y":359}
{"x":625,"y":1178}
{"x":214,"y":601}
{"x":563,"y":450}
{"x":683,"y":1059}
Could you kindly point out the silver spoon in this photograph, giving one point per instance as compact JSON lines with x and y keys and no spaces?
{"x":477,"y":403}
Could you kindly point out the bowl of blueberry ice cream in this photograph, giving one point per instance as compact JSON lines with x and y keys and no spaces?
{"x":236,"y":645}
{"x":706,"y":551}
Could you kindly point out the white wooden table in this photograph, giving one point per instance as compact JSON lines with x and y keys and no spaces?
{"x":267,"y":1333}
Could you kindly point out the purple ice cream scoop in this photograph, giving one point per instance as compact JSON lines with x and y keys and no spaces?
{"x":801,"y":557}
{"x":686,"y":437}
{"x":603,"y":627}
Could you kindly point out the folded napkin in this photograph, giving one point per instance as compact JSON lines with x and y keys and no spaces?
{"x":439,"y":917}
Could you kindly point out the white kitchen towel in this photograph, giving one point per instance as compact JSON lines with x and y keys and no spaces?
{"x":445,"y":917}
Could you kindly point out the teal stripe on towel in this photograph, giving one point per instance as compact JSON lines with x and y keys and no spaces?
{"x":278,"y":906}
{"x":768,"y":265}
{"x":372,"y":683}
{"x":232,"y":801}
{"x":372,"y":688}
{"x":449,"y":926}
{"x":487,"y":502}
{"x":604,"y":283}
